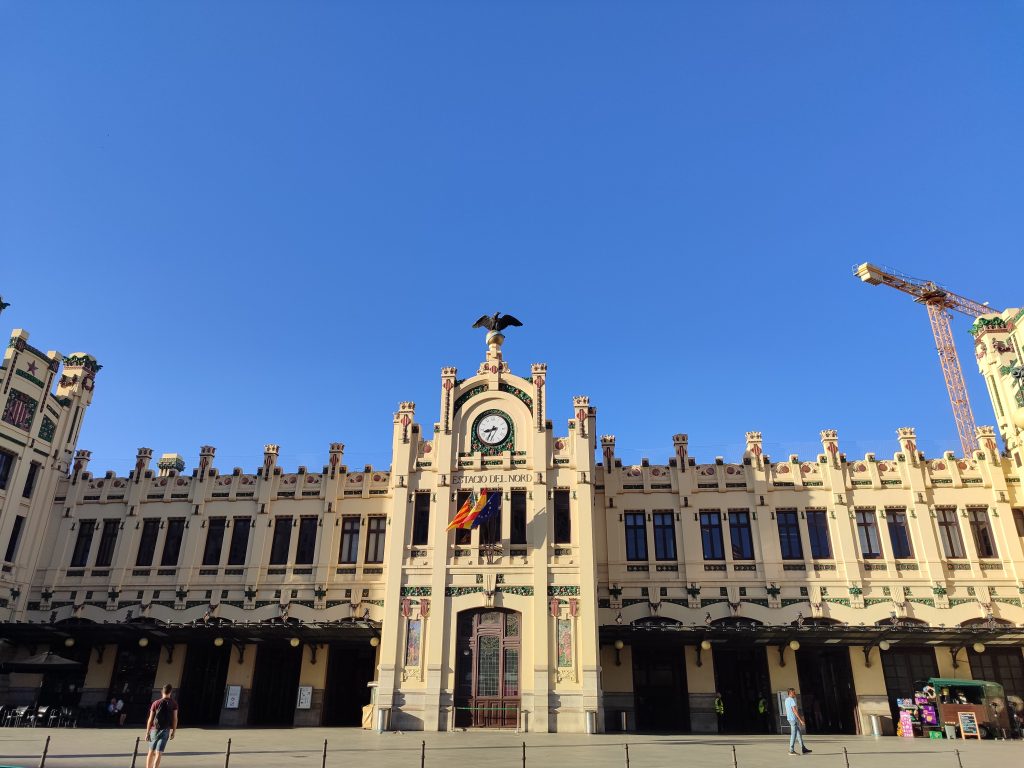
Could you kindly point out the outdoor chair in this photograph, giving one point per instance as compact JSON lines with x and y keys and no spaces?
{"x":68,"y":718}
{"x":15,"y":716}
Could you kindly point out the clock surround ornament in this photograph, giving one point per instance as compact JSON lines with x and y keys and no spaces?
{"x":492,"y":433}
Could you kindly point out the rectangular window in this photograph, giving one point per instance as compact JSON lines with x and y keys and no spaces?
{"x":214,"y":540}
{"x":306,"y":548}
{"x":172,"y":541}
{"x":711,"y":535}
{"x":636,"y":536}
{"x":490,"y":530}
{"x":789,"y":534}
{"x":80,"y":555}
{"x":739,"y":535}
{"x":282,"y":540}
{"x":30,"y":481}
{"x":1018,"y":521}
{"x":376,"y":528}
{"x":899,"y":534}
{"x":867,"y":532}
{"x":6,"y":465}
{"x":517,"y":523}
{"x":147,"y":543}
{"x":239,"y":547}
{"x":349,"y":540}
{"x":817,"y":533}
{"x":421,"y":519}
{"x":12,"y":543}
{"x":563,"y":520}
{"x":664,"y":536}
{"x":949,"y":533}
{"x":981,"y":530}
{"x":108,"y":539}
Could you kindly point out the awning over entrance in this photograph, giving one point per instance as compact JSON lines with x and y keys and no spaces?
{"x":160,"y":633}
{"x":866,"y":637}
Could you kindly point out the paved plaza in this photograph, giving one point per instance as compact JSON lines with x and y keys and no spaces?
{"x":303,"y":748}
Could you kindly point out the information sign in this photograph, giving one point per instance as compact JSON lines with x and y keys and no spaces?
{"x":968,"y":725}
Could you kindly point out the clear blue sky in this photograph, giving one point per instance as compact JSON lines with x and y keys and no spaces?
{"x":271,"y":222}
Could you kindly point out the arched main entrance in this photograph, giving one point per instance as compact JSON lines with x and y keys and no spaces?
{"x":487,"y":668}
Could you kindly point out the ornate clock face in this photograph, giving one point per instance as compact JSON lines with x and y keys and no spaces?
{"x":492,"y":429}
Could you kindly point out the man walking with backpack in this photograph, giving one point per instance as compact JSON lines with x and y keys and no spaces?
{"x":161,"y":725}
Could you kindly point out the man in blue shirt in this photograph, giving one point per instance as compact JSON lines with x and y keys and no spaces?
{"x":796,"y":724}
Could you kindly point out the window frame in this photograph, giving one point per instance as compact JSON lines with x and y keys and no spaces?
{"x":866,"y":527}
{"x":741,"y":534}
{"x":948,"y":522}
{"x":376,"y":532}
{"x":421,"y":519}
{"x":663,"y":525}
{"x":979,"y":520}
{"x":241,"y":532}
{"x":562,"y":516}
{"x":815,"y":532}
{"x":305,"y":545}
{"x":792,"y":534}
{"x":175,"y":526}
{"x":349,"y":540}
{"x":898,"y":525}
{"x":214,"y":526}
{"x":83,"y":543}
{"x":148,"y":537}
{"x":108,"y":542}
{"x":634,"y":523}
{"x":281,"y":540}
{"x":711,"y":533}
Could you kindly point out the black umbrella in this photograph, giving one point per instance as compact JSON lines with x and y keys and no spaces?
{"x":43,"y":662}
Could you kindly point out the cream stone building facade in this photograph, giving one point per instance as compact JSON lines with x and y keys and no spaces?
{"x":603,"y":596}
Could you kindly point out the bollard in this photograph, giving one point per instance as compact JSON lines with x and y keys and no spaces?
{"x":135,"y":752}
{"x":846,"y":757}
{"x":627,"y":756}
{"x":323,"y":763}
{"x":46,"y":748}
{"x":227,"y":755}
{"x":734,"y":764}
{"x":423,"y":753}
{"x":524,"y":754}
{"x":958,"y":760}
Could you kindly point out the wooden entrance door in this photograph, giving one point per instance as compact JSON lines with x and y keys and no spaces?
{"x":488,"y":655}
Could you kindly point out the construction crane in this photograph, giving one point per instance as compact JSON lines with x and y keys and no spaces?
{"x":939,"y":301}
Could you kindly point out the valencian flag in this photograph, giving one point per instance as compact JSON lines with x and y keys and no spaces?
{"x":476,"y":510}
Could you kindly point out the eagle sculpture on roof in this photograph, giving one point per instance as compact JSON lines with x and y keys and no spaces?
{"x":496,"y":322}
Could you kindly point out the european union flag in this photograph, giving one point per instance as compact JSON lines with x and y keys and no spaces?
{"x":491,"y":508}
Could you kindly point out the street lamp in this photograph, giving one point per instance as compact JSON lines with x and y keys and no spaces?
{"x":619,"y":645}
{"x":374,"y":641}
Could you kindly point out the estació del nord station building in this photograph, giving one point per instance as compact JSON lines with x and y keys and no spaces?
{"x":600,"y":595}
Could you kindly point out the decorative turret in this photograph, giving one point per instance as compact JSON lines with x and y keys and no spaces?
{"x":404,"y":417}
{"x":830,"y":444}
{"x":608,"y":452}
{"x":539,"y":375}
{"x":582,"y":409}
{"x":908,"y":443}
{"x":755,"y":448}
{"x":987,"y":444}
{"x":142,"y":459}
{"x":81,"y":464}
{"x":270,"y":452}
{"x":680,"y":444}
{"x":337,"y":454}
{"x":170,"y":464}
{"x":79,"y":377}
{"x":448,"y":384}
{"x":206,"y":453}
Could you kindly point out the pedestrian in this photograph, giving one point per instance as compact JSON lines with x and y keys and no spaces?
{"x":796,"y":724}
{"x":161,"y":726}
{"x":719,"y":710}
{"x":116,"y":710}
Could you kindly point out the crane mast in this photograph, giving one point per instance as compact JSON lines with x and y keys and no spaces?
{"x":939,"y":303}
